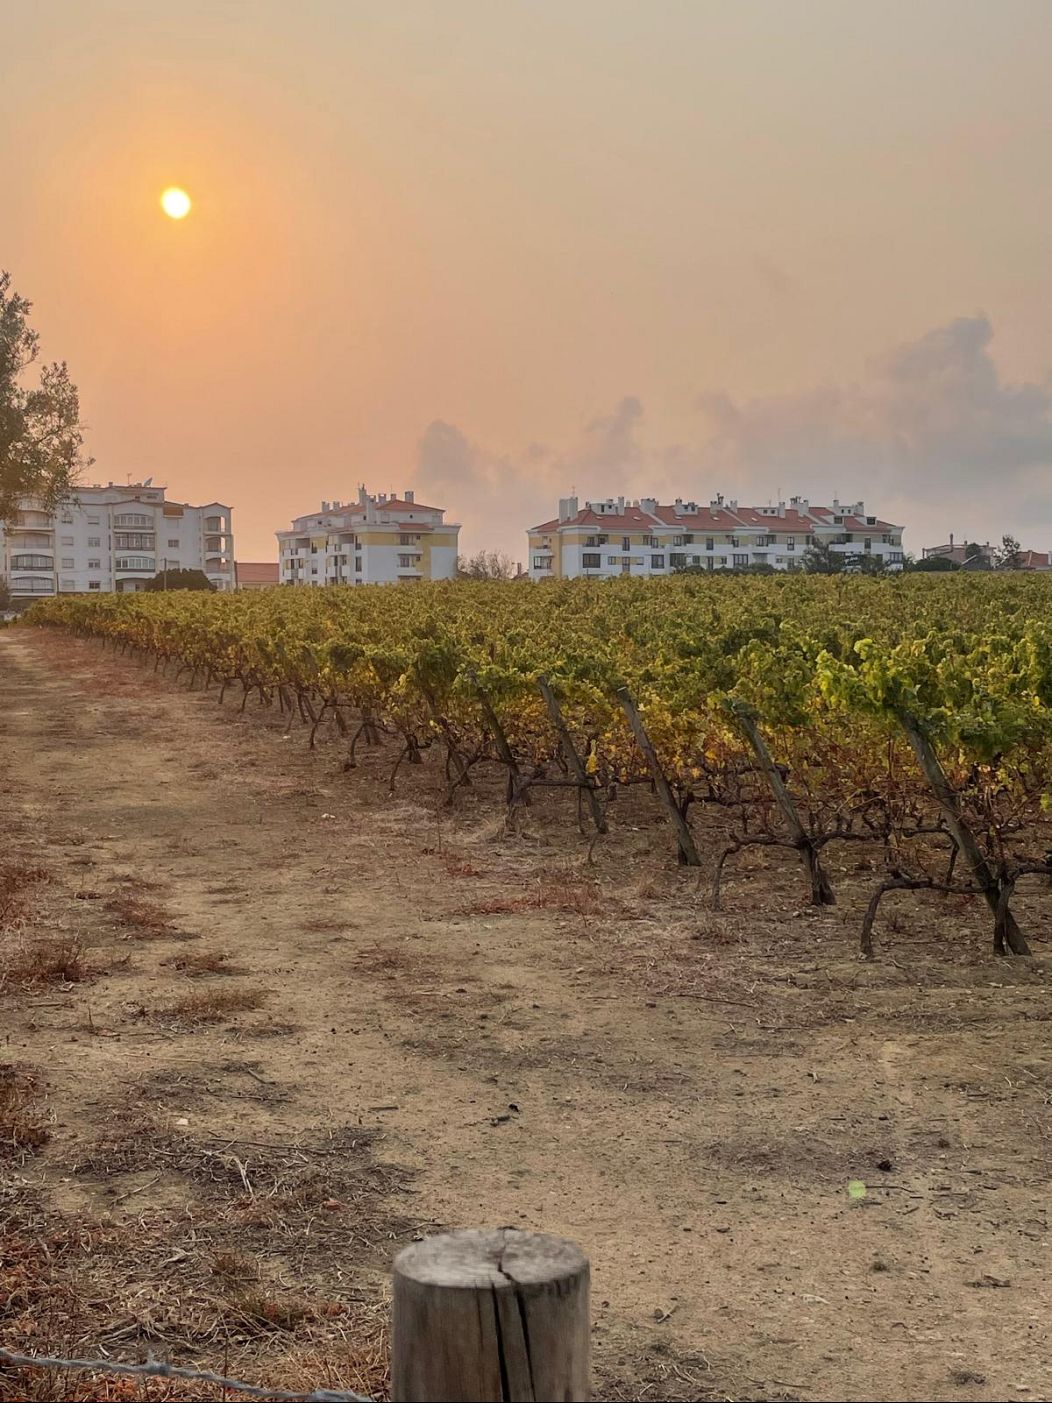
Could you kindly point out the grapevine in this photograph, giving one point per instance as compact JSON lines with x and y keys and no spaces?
{"x":913,"y":714}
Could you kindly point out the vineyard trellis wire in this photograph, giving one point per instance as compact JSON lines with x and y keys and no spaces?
{"x":158,"y":1369}
{"x":911,"y":714}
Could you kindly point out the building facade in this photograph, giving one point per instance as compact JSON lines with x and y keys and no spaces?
{"x":256,"y":574}
{"x":114,"y":538}
{"x":376,"y":540}
{"x":615,"y":537}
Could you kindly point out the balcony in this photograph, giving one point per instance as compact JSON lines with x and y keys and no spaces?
{"x":135,"y":565}
{"x":45,"y":584}
{"x":33,"y":562}
{"x":20,"y":539}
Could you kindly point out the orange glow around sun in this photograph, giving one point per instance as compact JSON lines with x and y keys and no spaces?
{"x":175,"y":202}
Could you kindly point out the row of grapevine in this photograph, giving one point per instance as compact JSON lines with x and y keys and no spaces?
{"x":912,"y":713}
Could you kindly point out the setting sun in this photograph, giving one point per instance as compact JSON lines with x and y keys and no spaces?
{"x":175,"y":203}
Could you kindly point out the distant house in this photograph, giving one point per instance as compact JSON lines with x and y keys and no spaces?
{"x":977,"y":562}
{"x":255,"y":574}
{"x":966,"y":553}
{"x":972,"y":556}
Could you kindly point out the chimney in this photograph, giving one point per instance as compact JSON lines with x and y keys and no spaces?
{"x":620,"y":504}
{"x":409,"y":496}
{"x":363,"y":496}
{"x":951,"y":540}
{"x":325,"y":506}
{"x":567,"y":508}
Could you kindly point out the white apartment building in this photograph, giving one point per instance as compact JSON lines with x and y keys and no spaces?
{"x":615,"y":537}
{"x":376,"y":540}
{"x":114,"y":538}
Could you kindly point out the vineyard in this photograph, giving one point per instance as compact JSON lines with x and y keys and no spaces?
{"x":913,"y":714}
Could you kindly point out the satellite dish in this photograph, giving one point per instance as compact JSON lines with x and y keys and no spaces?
{"x":147,"y":481}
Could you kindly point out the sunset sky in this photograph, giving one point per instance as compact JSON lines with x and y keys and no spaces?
{"x":494,"y":249}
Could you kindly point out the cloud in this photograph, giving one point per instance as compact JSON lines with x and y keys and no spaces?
{"x":931,"y":436}
{"x":932,"y":414}
{"x":497,"y":495}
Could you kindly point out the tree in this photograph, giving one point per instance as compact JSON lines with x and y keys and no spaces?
{"x":933,"y":564}
{"x":486,"y":565}
{"x":180,"y":579}
{"x":1009,"y":556}
{"x":821,"y":559}
{"x":41,"y":438}
{"x":5,"y":595}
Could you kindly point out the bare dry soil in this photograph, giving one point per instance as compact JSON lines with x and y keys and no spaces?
{"x":265,"y":1022}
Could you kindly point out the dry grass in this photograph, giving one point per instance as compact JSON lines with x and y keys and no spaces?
{"x":560,"y":894}
{"x":201,"y":963}
{"x":22,"y":1127}
{"x":213,"y":1005}
{"x":143,"y":918}
{"x":34,"y":963}
{"x":16,"y":878}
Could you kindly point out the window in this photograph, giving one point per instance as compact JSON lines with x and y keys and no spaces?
{"x":596,"y":541}
{"x":67,"y":519}
{"x":626,"y":542}
{"x":677,"y":559}
{"x":135,"y":562}
{"x":766,"y":541}
{"x":408,"y":540}
{"x":94,"y":564}
{"x":130,"y":519}
{"x":94,"y":584}
{"x":540,"y":562}
{"x":67,"y":540}
{"x":735,"y":541}
{"x":172,"y":543}
{"x":657,"y":562}
{"x":68,"y":564}
{"x":407,"y":562}
{"x":133,"y":540}
{"x":94,"y":540}
{"x":649,"y":541}
{"x":710,"y":542}
{"x":591,"y":562}
{"x":790,"y":543}
{"x":31,"y":562}
{"x":358,"y":563}
{"x":740,"y":560}
{"x":613,"y":560}
{"x":868,"y":543}
{"x":895,"y":557}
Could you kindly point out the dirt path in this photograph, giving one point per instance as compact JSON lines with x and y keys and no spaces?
{"x":520,"y":1039}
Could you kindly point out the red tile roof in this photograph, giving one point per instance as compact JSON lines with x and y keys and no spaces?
{"x":727,"y":517}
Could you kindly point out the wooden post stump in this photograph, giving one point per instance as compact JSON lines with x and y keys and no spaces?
{"x":495,"y":1316}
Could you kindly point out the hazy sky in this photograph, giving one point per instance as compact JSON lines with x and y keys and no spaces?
{"x":493,"y":249}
